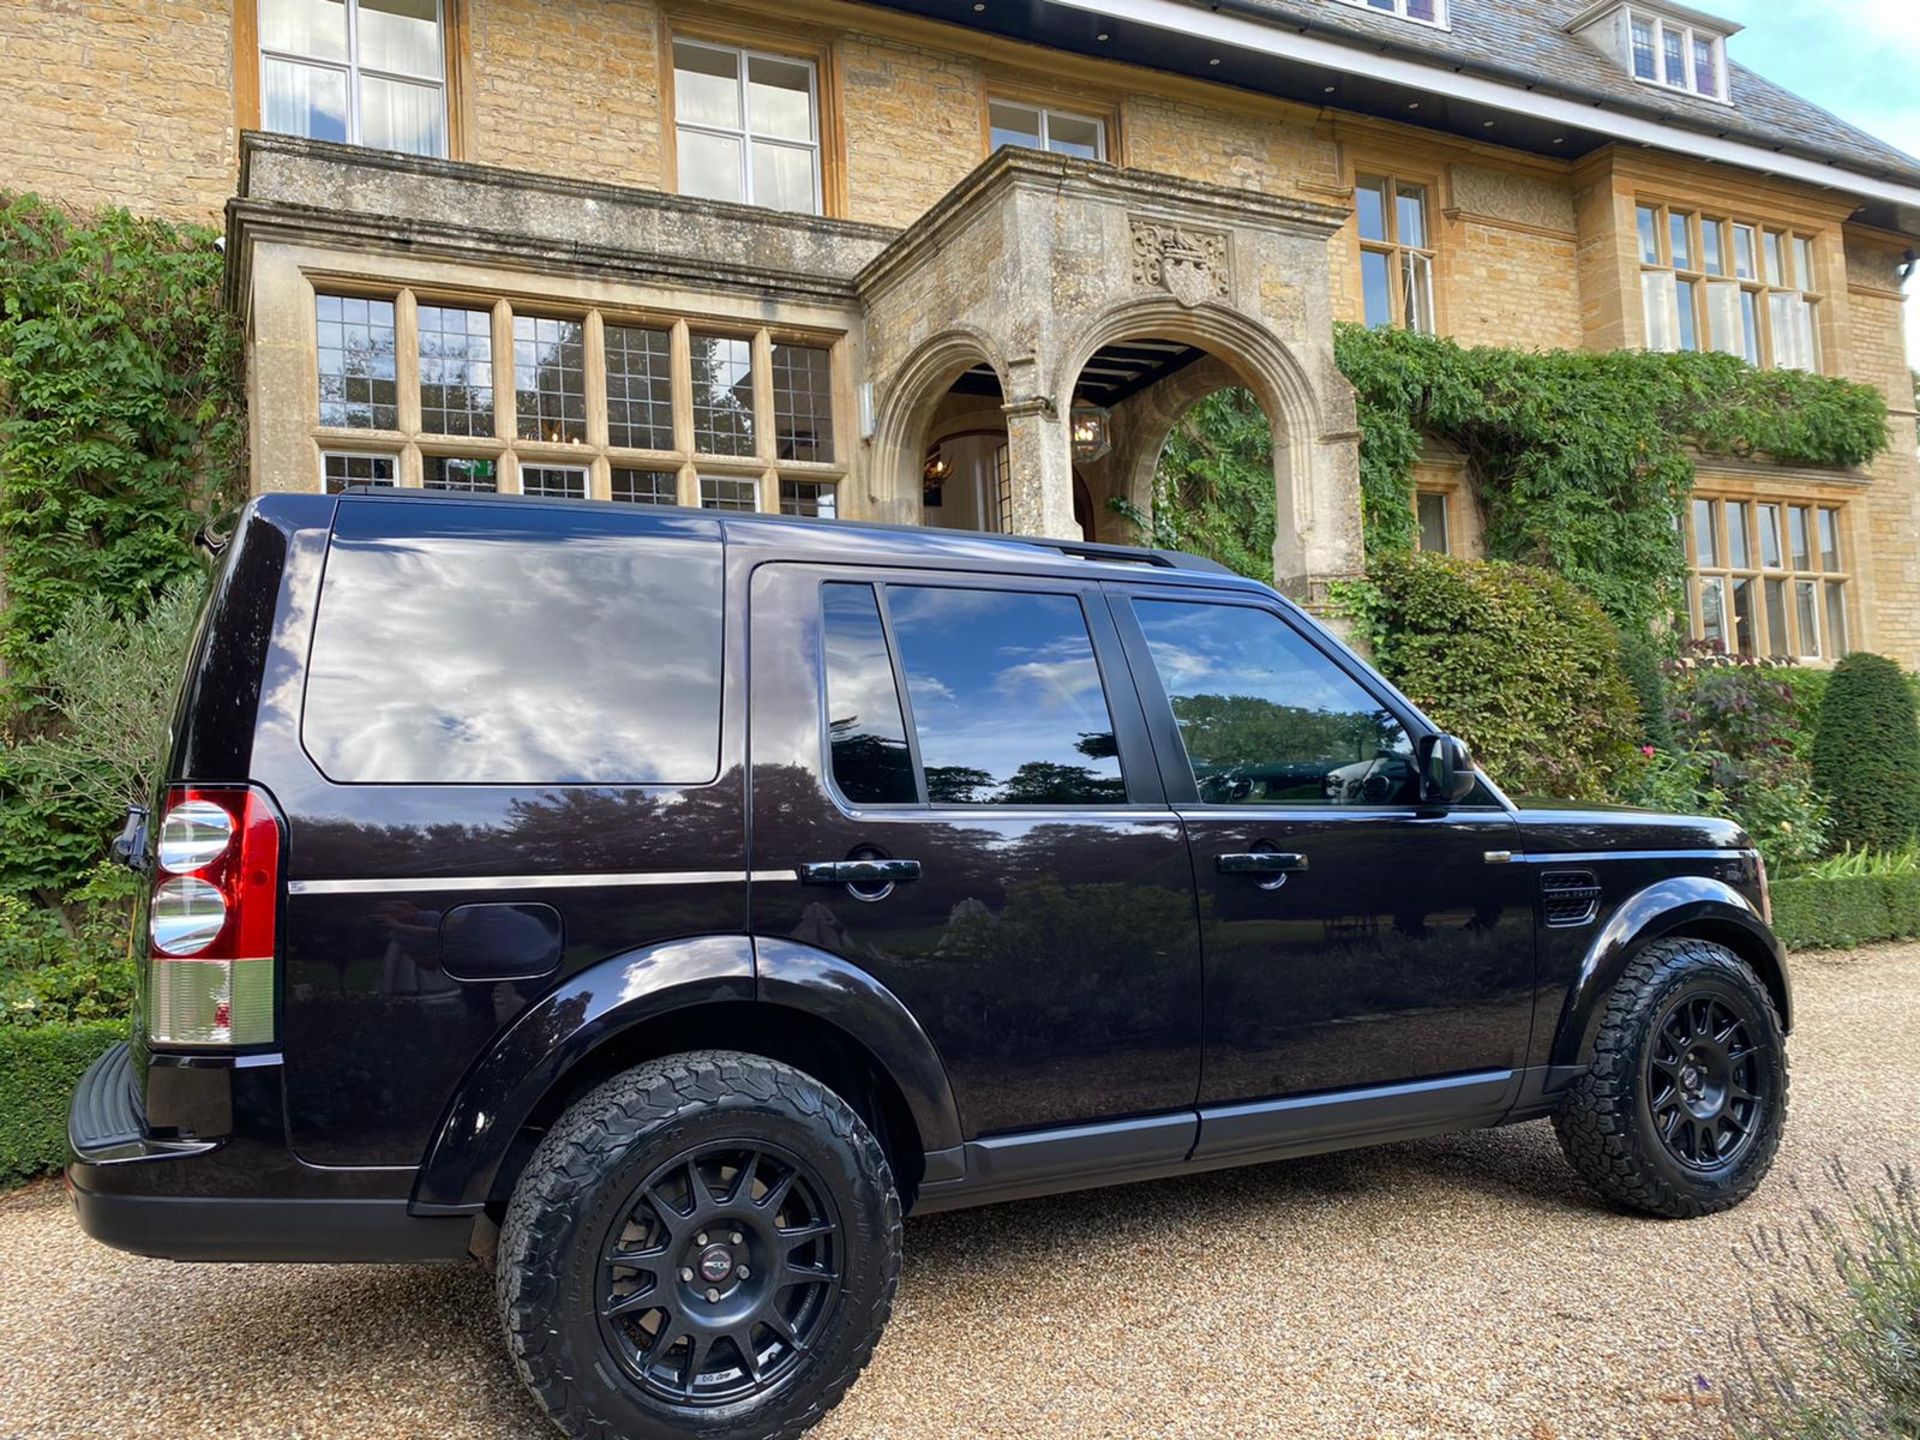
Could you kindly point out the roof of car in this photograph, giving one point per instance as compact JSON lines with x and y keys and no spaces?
{"x":873,"y":540}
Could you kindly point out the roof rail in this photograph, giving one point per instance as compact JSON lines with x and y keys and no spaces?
{"x":1130,"y":555}
{"x":1078,"y":549}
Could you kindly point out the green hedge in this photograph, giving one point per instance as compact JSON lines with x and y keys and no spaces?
{"x":1809,"y":913}
{"x":39,"y":1066}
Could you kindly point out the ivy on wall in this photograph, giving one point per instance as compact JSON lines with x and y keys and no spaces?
{"x":122,"y":427}
{"x":122,"y":419}
{"x":1581,"y":460}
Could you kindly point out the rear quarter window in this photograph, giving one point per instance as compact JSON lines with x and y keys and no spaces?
{"x":494,"y":644}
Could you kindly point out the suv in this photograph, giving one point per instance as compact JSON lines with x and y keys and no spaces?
{"x":660,"y":905}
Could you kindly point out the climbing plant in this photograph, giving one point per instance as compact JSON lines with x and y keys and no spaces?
{"x":122,"y":428}
{"x":1581,"y":459}
{"x":1213,"y":488}
{"x":121,"y":412}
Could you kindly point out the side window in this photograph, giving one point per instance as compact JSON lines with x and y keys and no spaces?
{"x":469,"y":644}
{"x":865,"y":732}
{"x":1005,"y":696}
{"x":1266,"y":718}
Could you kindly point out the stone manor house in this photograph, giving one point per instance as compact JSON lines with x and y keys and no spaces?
{"x":965,"y":262}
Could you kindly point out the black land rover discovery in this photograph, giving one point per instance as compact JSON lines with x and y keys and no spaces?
{"x":664,"y":904}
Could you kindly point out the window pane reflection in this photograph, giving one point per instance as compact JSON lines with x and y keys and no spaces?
{"x":1266,"y":718}
{"x":451,"y":654}
{"x":304,"y":100}
{"x":1006,"y":698}
{"x":865,"y":731}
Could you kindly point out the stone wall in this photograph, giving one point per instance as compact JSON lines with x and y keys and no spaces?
{"x":567,"y":89}
{"x":1888,"y":533}
{"x":119,"y":102}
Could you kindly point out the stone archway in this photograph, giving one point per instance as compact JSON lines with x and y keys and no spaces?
{"x":901,"y":426}
{"x":1316,"y":466}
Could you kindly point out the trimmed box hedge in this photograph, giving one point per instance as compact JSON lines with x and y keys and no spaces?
{"x":39,"y":1066}
{"x":1815,"y":914}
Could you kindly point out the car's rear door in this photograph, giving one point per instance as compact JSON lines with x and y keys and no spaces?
{"x":1357,"y":943}
{"x":982,"y":731}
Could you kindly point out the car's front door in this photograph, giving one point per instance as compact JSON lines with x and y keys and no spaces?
{"x":1354,"y":939}
{"x":984,"y":735}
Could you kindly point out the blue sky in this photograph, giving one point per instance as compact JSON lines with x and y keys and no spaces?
{"x":1861,"y":60}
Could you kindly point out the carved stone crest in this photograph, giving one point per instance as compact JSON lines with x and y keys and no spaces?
{"x":1189,"y":264}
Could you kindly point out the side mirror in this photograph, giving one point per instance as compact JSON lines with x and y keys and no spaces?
{"x":1447,"y":775}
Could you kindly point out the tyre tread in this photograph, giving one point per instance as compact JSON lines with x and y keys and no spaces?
{"x":1596,"y":1121}
{"x":568,"y":1162}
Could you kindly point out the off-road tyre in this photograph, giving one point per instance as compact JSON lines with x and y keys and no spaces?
{"x":577,"y":1198}
{"x":1607,"y":1122}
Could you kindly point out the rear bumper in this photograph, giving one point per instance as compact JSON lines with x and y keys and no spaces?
{"x":241,"y":1196}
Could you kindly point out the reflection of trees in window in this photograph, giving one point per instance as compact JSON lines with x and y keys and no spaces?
{"x":869,"y":768}
{"x":1246,"y":729}
{"x":957,"y":784}
{"x":722,"y":394}
{"x":550,"y":378}
{"x":1045,"y":782}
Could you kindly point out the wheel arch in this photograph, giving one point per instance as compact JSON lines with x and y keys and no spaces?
{"x":788,"y":1003}
{"x":1693,"y":906}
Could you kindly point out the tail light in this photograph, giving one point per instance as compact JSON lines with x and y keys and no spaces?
{"x":212,"y":917}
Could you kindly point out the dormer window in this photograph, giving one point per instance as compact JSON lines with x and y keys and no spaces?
{"x":1427,"y":12}
{"x":1674,"y":48}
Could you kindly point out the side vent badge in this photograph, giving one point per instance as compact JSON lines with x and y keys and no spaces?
{"x":1571,"y":897}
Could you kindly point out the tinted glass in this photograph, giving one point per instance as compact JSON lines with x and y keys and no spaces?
{"x":1006,"y":698}
{"x":1266,"y":718}
{"x":488,"y":644}
{"x":867,"y":737}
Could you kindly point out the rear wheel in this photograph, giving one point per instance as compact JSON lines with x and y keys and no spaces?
{"x":707,"y":1245}
{"x":1681,"y":1111}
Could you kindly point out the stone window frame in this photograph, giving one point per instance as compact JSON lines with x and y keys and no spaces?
{"x":455,"y":62}
{"x":1407,"y":10}
{"x":1659,"y":25}
{"x":696,"y":22}
{"x":1394,"y":177}
{"x":1776,"y":247}
{"x":1729,"y":560}
{"x":1048,"y":111}
{"x":1038,"y":92}
{"x":411,"y":445}
{"x":1446,"y":517}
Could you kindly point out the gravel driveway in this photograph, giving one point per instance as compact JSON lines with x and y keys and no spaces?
{"x":1460,"y":1286}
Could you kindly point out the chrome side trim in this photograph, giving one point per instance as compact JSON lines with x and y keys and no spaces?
{"x":417,"y":883}
{"x":1590,"y":857}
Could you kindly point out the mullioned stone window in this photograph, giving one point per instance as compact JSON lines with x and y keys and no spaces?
{"x":479,"y":394}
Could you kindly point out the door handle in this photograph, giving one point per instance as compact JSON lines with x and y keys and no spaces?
{"x":859,"y":872}
{"x":1262,"y":862}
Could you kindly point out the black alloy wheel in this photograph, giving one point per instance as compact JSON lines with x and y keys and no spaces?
{"x":705,"y":1247}
{"x":1706,"y":1085}
{"x":722,"y":1274}
{"x":1682,"y":1105}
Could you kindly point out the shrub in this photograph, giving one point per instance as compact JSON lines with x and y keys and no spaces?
{"x":1866,"y":754}
{"x":1641,"y":661}
{"x":1813,"y":913}
{"x":1838,"y":1334}
{"x":1735,"y":722}
{"x":39,"y":1066}
{"x":1851,"y":864}
{"x":1517,"y":661}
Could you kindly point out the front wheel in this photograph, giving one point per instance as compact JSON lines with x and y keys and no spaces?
{"x":707,"y":1245}
{"x":1681,"y":1111}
